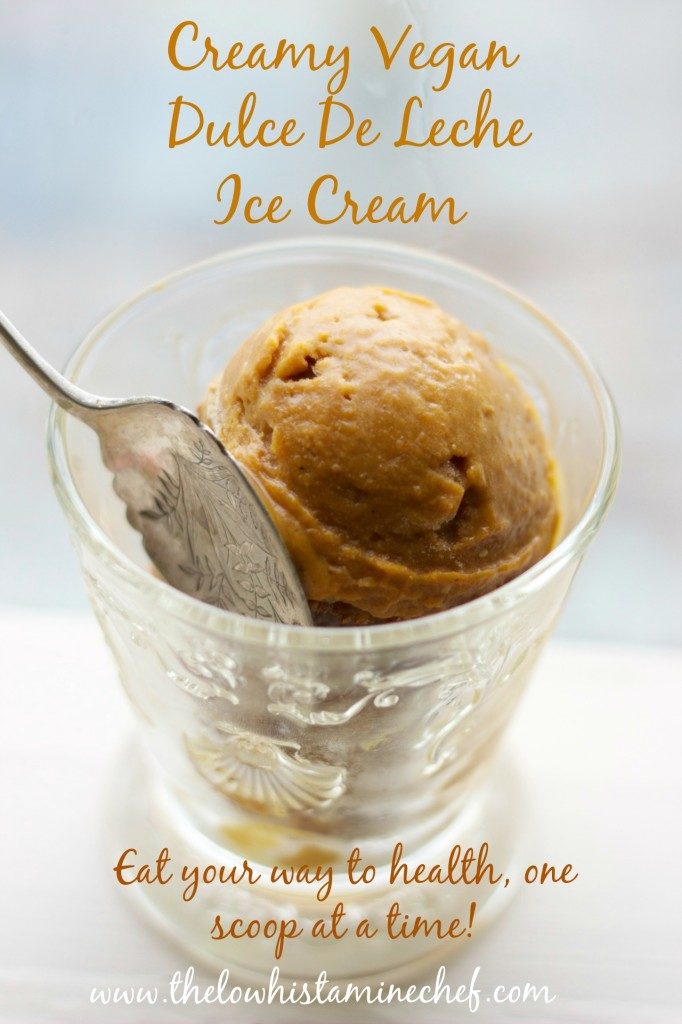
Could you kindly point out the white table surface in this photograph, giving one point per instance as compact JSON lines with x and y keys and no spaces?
{"x":597,"y":738}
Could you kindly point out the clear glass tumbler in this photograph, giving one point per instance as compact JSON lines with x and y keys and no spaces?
{"x":292,"y":745}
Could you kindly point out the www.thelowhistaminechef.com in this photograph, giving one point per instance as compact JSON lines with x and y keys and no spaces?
{"x":183,"y":989}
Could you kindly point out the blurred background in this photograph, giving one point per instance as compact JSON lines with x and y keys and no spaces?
{"x":585,"y":219}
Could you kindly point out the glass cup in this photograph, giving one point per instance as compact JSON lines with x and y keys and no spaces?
{"x":291,"y":745}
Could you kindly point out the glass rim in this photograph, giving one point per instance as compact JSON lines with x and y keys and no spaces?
{"x":342,"y":638}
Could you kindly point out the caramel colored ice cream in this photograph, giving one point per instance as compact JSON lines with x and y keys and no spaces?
{"x":404,"y":464}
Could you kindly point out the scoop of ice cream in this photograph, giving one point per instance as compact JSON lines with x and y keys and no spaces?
{"x":404,"y":464}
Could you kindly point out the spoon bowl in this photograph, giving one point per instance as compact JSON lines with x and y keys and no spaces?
{"x":202,"y":520}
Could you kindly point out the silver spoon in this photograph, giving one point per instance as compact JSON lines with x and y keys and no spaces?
{"x":202,"y":521}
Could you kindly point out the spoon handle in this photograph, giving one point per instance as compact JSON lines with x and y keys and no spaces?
{"x":71,"y":398}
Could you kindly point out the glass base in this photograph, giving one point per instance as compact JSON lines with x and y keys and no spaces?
{"x":144,"y":813}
